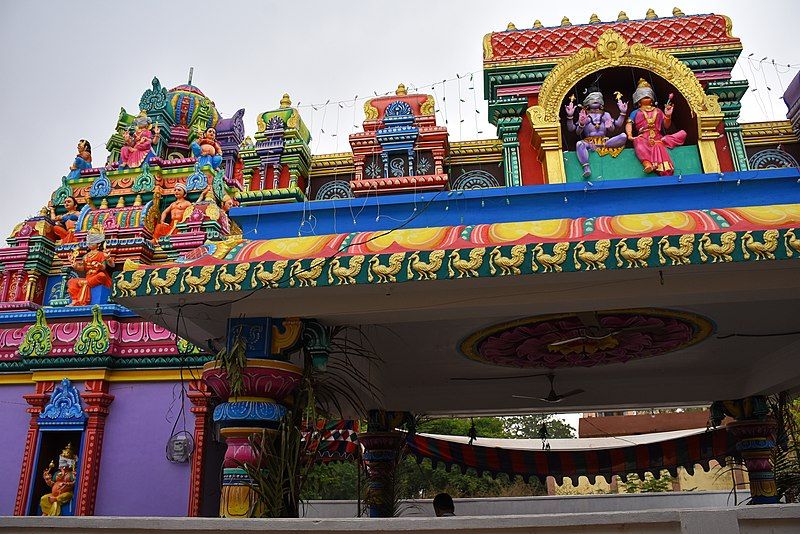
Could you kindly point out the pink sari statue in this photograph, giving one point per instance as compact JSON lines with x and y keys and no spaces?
{"x":650,"y":144}
{"x":137,"y":149}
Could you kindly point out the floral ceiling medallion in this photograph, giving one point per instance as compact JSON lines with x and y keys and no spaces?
{"x":586,"y":339}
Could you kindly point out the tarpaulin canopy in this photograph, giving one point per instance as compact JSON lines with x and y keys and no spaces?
{"x":650,"y":456}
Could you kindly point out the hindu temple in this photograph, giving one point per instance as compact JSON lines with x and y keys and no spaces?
{"x":624,"y":241}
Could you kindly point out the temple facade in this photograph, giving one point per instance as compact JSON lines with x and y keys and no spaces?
{"x":623,"y":226}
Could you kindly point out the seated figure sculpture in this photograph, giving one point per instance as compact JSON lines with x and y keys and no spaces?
{"x":62,"y":485}
{"x":651,"y":143}
{"x":138,"y":148}
{"x":64,"y":226}
{"x":207,"y":149}
{"x":593,"y":127}
{"x":83,"y":160}
{"x":175,"y":212}
{"x":94,"y":266}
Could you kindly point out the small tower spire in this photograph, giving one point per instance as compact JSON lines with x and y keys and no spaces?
{"x":191,"y":73}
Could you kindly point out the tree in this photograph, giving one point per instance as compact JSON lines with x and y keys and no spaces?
{"x":527,"y":427}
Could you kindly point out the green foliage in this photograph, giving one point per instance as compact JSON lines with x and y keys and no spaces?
{"x":650,"y":484}
{"x":527,"y":427}
{"x":339,"y":481}
{"x":786,"y":454}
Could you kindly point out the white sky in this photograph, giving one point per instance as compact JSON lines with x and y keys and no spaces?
{"x":67,"y":67}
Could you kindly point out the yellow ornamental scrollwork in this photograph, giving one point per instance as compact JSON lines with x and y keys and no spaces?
{"x":428,"y":107}
{"x":488,"y":52}
{"x":506,"y":264}
{"x":269,"y":278}
{"x":677,"y":255}
{"x":468,"y":266}
{"x":633,"y":257}
{"x":157,"y":285}
{"x":593,"y":260}
{"x":370,"y":111}
{"x":231,"y":281}
{"x":791,"y":242}
{"x":762,"y":250}
{"x":124,"y":288}
{"x":196,"y":284}
{"x":426,"y":270}
{"x":306,"y":276}
{"x":550,"y":262}
{"x":718,"y":253}
{"x":385,"y":273}
{"x":342,"y":274}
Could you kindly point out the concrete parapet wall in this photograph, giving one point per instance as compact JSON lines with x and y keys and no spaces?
{"x":775,"y":519}
{"x":566,"y":504}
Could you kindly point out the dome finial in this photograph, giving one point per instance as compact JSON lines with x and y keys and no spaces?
{"x":622,"y":17}
{"x":651,"y":14}
{"x":565,"y":21}
{"x":676,"y":12}
{"x":191,"y":74}
{"x":594,"y":19}
{"x":537,"y":23}
{"x":401,"y":90}
{"x":511,"y":26}
{"x":286,"y":101}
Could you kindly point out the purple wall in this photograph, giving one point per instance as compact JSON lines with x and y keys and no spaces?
{"x":13,"y":429}
{"x":135,"y":477}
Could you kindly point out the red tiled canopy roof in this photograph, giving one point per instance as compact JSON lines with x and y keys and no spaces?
{"x":670,"y":33}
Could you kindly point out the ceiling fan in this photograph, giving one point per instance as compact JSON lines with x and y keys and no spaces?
{"x":552,"y":397}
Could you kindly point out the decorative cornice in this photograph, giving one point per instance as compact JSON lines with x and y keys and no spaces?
{"x":478,"y":151}
{"x":332,"y":164}
{"x":768,"y":133}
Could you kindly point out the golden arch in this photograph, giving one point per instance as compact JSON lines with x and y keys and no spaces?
{"x":612,"y":50}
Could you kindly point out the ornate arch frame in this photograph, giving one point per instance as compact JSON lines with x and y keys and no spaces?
{"x":612,"y":50}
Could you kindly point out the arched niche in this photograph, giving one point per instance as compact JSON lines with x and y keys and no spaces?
{"x":613,"y":51}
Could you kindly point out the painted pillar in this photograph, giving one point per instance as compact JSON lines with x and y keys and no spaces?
{"x":95,"y":395}
{"x":508,"y":129}
{"x":755,"y":440}
{"x":754,"y":432}
{"x":381,"y":457}
{"x":199,"y":396}
{"x":36,"y":402}
{"x":255,"y":410}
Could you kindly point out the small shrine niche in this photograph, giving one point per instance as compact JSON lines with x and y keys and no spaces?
{"x":610,"y":91}
{"x":56,"y":482}
{"x":401,"y":148}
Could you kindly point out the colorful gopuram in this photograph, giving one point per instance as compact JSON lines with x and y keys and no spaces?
{"x":624,"y":229}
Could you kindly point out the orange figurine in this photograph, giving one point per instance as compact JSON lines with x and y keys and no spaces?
{"x":94,"y":266}
{"x":175,"y":211}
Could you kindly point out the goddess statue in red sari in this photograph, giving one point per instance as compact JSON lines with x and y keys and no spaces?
{"x":651,"y":143}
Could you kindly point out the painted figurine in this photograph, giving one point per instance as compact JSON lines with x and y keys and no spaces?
{"x":65,"y":225}
{"x":175,"y":212}
{"x":594,"y":126}
{"x":138,"y":148}
{"x":82,"y":161}
{"x":94,"y":266}
{"x":61,"y":485}
{"x":651,"y":143}
{"x":206,"y":148}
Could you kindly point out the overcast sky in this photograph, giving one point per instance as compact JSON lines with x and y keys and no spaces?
{"x":68,"y":67}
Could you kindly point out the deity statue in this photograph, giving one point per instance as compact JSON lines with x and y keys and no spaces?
{"x":82,"y":161}
{"x":65,"y":225}
{"x":593,"y":127}
{"x":138,"y":148}
{"x":175,"y":211}
{"x":94,"y":266}
{"x":206,"y":148}
{"x":651,"y":143}
{"x":61,"y":485}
